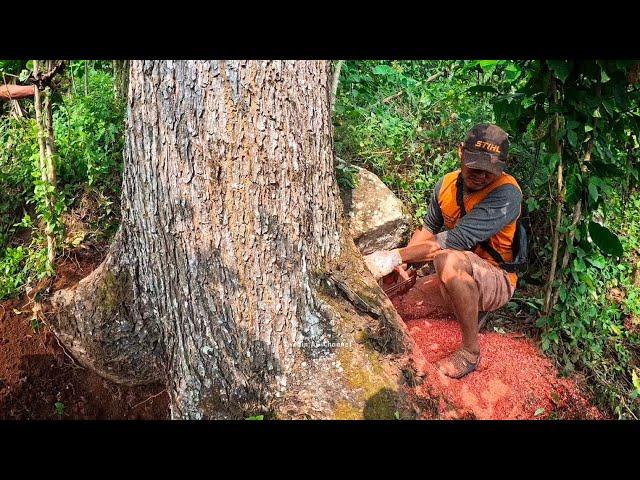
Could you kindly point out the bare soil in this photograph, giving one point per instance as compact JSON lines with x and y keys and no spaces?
{"x":36,"y":373}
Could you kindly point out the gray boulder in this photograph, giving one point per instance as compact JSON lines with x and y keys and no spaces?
{"x":376,"y":218}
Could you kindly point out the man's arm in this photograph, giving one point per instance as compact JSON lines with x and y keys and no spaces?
{"x":420,"y":236}
{"x":420,"y":252}
{"x":16,"y":92}
{"x":423,"y":241}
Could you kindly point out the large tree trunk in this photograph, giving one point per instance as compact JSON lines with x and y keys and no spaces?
{"x":232,"y":277}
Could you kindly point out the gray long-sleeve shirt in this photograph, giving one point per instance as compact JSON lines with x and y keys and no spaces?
{"x":492,"y":214}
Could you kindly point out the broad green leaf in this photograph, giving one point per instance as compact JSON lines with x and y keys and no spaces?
{"x":574,"y":192}
{"x":604,"y":78}
{"x":512,"y":72}
{"x":384,"y":70}
{"x":545,"y":344}
{"x":621,"y":97}
{"x":572,"y":124}
{"x":587,"y":280}
{"x":561,"y":69}
{"x":563,"y":293}
{"x":572,"y":137}
{"x":487,"y":64}
{"x":593,"y":191}
{"x":552,"y":161}
{"x":607,"y":241}
{"x":597,"y":262}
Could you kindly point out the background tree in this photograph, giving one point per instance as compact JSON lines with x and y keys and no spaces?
{"x":46,"y":142}
{"x":120,"y":79}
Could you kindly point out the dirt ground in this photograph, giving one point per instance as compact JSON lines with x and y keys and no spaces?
{"x":38,"y":380}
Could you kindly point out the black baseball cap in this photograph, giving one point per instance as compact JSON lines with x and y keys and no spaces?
{"x":486,"y":148}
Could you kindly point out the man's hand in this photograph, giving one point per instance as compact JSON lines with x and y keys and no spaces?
{"x":382,"y":262}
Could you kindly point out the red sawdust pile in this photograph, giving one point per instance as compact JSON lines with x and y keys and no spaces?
{"x":513,"y":381}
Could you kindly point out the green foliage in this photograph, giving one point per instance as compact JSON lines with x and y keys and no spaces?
{"x":20,"y":147}
{"x":88,"y":131}
{"x":589,"y":110}
{"x":35,"y":324}
{"x":12,"y":274}
{"x":596,"y":324}
{"x":89,"y":136}
{"x":392,"y":119}
{"x":11,"y":67}
{"x":346,"y":175}
{"x":59,"y":408}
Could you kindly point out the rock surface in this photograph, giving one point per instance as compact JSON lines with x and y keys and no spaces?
{"x":377,"y":218}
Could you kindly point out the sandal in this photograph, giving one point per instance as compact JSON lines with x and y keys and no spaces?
{"x":462,"y":365}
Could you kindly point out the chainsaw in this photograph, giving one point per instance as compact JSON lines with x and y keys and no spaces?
{"x":401,"y":280}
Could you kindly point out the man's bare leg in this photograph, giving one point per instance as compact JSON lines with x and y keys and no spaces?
{"x":455,"y":275}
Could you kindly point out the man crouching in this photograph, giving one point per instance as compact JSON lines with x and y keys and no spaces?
{"x":477,"y":206}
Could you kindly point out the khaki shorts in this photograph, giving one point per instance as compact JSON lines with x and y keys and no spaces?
{"x":493,"y":283}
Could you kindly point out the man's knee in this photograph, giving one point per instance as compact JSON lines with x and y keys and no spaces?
{"x":450,"y":265}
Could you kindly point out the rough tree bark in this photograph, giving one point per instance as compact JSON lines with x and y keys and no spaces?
{"x":120,"y":78}
{"x":232,"y":277}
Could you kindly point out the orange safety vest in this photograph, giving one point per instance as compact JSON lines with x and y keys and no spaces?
{"x":501,"y":241}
